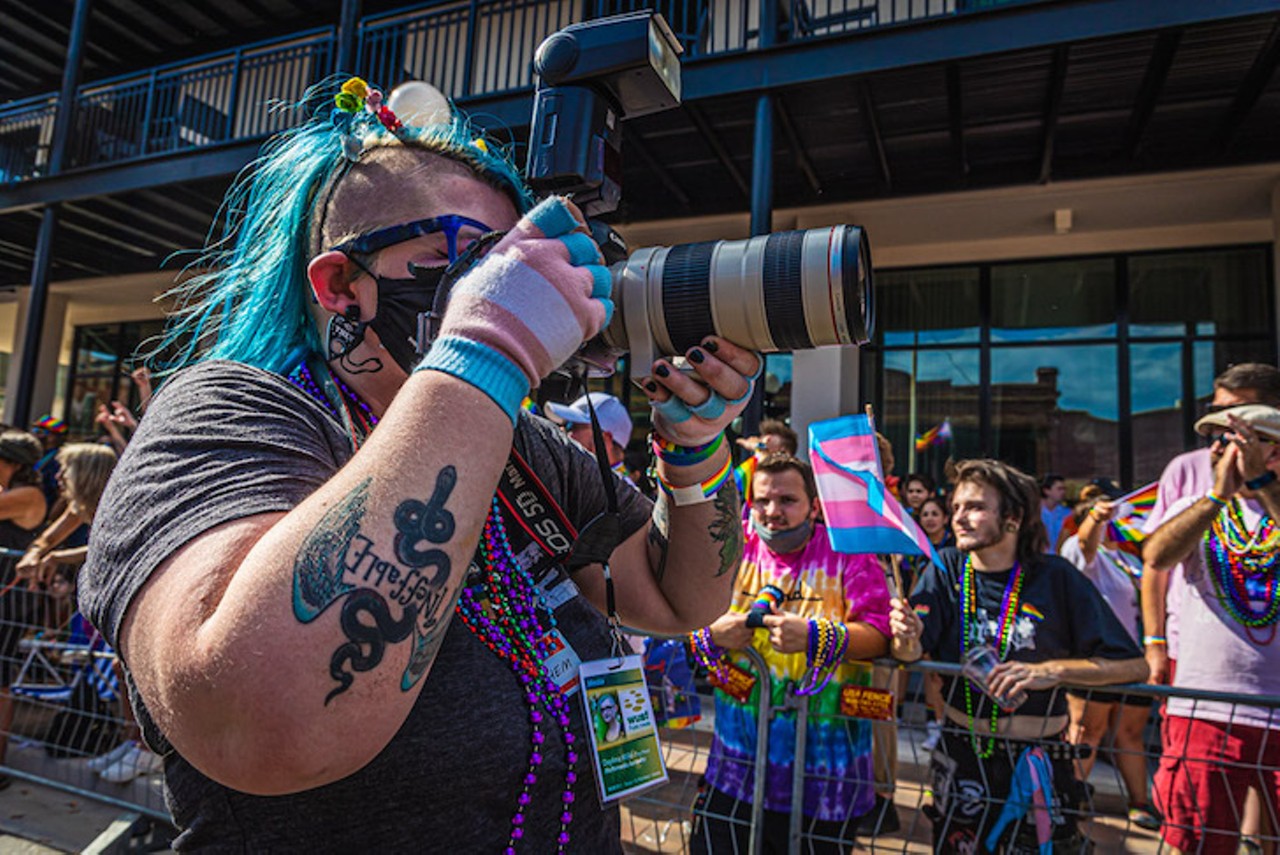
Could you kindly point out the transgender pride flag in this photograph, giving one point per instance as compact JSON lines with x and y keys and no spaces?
{"x":862,"y":516}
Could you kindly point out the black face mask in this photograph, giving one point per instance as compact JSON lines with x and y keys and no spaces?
{"x":400,"y":302}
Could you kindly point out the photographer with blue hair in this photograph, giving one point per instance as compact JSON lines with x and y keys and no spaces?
{"x":335,"y":624}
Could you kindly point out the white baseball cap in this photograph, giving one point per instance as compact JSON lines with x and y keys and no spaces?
{"x":613,"y":416}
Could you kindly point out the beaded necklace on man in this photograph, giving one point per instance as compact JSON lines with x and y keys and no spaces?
{"x":1237,"y":558}
{"x":1004,"y":638}
{"x":505,"y":617}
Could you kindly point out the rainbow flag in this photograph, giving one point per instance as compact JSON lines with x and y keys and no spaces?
{"x":1139,"y":504}
{"x":742,"y":475}
{"x":937,"y":435}
{"x":862,"y":515}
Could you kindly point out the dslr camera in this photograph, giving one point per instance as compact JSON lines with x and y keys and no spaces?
{"x":779,"y":292}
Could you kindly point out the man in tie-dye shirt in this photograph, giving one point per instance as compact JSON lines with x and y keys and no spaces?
{"x":786,"y":547}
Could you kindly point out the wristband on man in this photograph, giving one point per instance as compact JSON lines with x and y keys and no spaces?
{"x":1261,"y":481}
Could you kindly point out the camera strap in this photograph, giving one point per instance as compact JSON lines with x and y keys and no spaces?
{"x":610,"y":516}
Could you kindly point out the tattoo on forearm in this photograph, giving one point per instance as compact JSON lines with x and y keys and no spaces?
{"x":659,"y":536}
{"x":726,"y":528}
{"x":338,"y":562}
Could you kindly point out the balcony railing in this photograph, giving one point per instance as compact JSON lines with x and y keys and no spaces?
{"x":467,"y":48}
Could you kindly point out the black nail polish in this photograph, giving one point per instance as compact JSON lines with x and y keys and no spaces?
{"x":662,"y":370}
{"x":651,"y":386}
{"x":710,"y":345}
{"x":696,"y":356}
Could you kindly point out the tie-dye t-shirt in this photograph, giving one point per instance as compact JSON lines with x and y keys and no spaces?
{"x":838,"y":773}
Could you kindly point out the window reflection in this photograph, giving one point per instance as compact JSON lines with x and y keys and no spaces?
{"x":1060,"y":300}
{"x":936,"y":306}
{"x":942,"y":385}
{"x":1055,"y":332}
{"x":1055,"y":409}
{"x":1215,"y":292}
{"x":1155,"y":400}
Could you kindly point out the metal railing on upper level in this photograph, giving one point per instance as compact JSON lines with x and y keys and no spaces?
{"x":467,"y":48}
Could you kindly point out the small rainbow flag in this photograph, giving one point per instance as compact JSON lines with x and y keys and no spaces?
{"x":742,"y":475}
{"x":529,"y":406}
{"x":1032,"y":612}
{"x":937,"y":435}
{"x":1135,"y":507}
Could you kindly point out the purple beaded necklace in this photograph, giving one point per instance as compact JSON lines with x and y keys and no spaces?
{"x":516,"y":635}
{"x":511,"y":628}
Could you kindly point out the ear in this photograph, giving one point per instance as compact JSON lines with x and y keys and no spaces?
{"x":331,"y":276}
{"x":815,"y":508}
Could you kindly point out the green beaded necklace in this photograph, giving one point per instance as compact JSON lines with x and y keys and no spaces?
{"x":1004,"y":637}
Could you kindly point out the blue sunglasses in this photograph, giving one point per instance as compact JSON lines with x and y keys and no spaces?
{"x":449,"y":224}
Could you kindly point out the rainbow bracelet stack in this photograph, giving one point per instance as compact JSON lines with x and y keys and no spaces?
{"x":678,"y":455}
{"x":828,"y":643}
{"x":769,"y":599}
{"x":683,"y":455}
{"x":708,"y":654}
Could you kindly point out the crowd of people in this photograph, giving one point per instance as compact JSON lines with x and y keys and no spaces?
{"x":341,"y":560}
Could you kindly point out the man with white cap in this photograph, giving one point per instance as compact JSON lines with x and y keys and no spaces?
{"x":615,"y":424}
{"x":1229,"y":547}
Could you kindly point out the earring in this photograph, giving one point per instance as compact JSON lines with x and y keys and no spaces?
{"x":1012,"y":528}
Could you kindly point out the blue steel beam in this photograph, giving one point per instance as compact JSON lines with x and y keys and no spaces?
{"x":194,"y":165}
{"x":1020,"y":27}
{"x":1008,"y":29}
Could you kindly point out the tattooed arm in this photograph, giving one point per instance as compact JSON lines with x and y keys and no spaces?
{"x":280,"y":652}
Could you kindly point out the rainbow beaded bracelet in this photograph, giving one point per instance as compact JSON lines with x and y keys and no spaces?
{"x":828,"y":643}
{"x":707,"y":653}
{"x":683,"y":455}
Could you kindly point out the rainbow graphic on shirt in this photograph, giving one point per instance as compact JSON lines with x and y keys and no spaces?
{"x":1129,"y":527}
{"x":1032,"y":612}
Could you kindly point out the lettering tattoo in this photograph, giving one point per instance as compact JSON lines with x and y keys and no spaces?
{"x":726,"y":528}
{"x":659,"y":535}
{"x":337,"y":562}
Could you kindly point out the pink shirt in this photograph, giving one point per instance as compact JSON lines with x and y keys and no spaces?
{"x":1220,"y":655}
{"x":1188,"y":475}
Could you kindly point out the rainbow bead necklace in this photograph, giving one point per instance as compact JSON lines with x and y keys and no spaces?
{"x":1236,"y":557}
{"x":970,"y":632}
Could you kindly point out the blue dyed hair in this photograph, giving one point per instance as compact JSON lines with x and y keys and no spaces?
{"x":252,"y":302}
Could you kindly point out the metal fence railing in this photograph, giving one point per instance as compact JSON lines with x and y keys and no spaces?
{"x":466,"y":48}
{"x":64,"y":719}
{"x":26,"y":136}
{"x":218,"y":98}
{"x":926,"y":799}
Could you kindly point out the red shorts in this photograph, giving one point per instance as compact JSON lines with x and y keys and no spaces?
{"x":1206,"y":769}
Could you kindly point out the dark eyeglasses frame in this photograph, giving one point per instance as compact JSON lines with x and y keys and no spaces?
{"x":375,"y":241}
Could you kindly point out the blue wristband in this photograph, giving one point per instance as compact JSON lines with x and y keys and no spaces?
{"x":1261,"y":481}
{"x":482,"y":367}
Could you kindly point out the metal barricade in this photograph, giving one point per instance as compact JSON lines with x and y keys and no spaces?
{"x":1119,"y":739}
{"x":64,"y":717}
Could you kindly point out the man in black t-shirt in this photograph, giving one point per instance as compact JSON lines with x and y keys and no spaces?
{"x":1044,"y":624}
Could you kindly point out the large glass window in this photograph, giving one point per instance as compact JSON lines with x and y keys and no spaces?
{"x":101,"y":359}
{"x":1056,"y":300}
{"x":1157,"y":407}
{"x":921,"y":390}
{"x":1086,"y":366}
{"x":1216,"y":292}
{"x":926,"y":307}
{"x":1055,"y":409}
